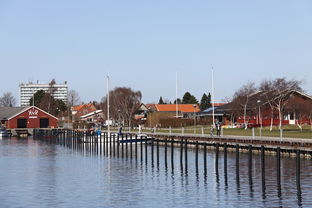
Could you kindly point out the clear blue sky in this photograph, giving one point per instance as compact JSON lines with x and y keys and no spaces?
{"x":143,"y":43}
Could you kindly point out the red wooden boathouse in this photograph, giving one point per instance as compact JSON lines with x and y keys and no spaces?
{"x":26,"y":117}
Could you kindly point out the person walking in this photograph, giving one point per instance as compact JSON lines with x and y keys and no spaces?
{"x":218,"y":128}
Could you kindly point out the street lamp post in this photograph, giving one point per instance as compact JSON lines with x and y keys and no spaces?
{"x":260,"y":117}
{"x":119,"y":122}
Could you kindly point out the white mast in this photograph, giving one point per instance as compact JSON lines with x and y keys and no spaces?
{"x":177,"y":95}
{"x":212,"y":96}
{"x":33,"y":102}
{"x":108,"y":120}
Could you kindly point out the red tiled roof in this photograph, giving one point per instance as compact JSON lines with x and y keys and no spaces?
{"x":79,"y":107}
{"x":218,"y":104}
{"x":184,"y":108}
{"x":151,"y":106}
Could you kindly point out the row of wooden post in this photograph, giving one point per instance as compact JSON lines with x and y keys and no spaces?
{"x":112,"y":145}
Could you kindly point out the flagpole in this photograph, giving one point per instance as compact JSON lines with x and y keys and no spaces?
{"x":176,"y":94}
{"x":108,"y":120}
{"x":212,"y":93}
{"x":33,"y":103}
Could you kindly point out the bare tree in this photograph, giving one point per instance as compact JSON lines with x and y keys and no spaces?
{"x":242,"y":100}
{"x":268,"y":93}
{"x":276,"y":93}
{"x":73,"y":98}
{"x":282,"y":90}
{"x":7,"y":100}
{"x":123,"y":102}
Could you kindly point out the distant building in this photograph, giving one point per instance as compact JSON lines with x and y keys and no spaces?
{"x":94,"y":117}
{"x":26,"y":117}
{"x":60,"y":91}
{"x":165,"y":115}
{"x":81,"y":110}
{"x":183,"y":110}
{"x":141,"y":112}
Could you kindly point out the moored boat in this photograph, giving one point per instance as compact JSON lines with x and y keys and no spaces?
{"x":4,"y":133}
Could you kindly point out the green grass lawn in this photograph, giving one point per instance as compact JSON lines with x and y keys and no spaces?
{"x":288,"y":131}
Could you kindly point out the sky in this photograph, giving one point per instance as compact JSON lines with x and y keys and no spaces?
{"x":143,"y":44}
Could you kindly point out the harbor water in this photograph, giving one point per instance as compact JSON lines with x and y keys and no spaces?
{"x":40,"y":174}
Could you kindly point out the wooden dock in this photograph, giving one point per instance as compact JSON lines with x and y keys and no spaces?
{"x":270,"y":142}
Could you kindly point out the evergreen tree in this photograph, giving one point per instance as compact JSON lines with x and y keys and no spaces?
{"x":188,"y":98}
{"x":193,"y":100}
{"x":205,"y":101}
{"x":179,"y":101}
{"x":161,"y":101}
{"x":47,"y":103}
{"x":209,"y":99}
{"x":39,"y":95}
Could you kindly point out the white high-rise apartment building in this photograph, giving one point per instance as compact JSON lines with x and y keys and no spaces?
{"x":60,"y":91}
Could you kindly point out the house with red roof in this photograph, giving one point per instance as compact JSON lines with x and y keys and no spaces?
{"x":81,"y":110}
{"x":162,"y":114}
{"x":183,"y":110}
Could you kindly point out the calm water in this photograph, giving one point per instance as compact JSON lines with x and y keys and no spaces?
{"x":36,"y":174}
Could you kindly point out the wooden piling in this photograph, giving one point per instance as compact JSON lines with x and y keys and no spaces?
{"x":185,"y":156}
{"x":298,"y":168}
{"x":110,"y":145}
{"x":131,"y":142}
{"x":237,"y":163}
{"x":122,"y":145}
{"x":225,"y":156}
{"x":181,"y":154}
{"x":278,"y":165}
{"x":217,"y":156}
{"x":114,"y":145}
{"x":166,"y":145}
{"x":141,"y":149}
{"x":172,"y":152}
{"x":118,"y":146}
{"x":196,"y":156}
{"x":146,"y":153}
{"x":136,"y":147}
{"x":205,"y":159}
{"x":250,"y":164}
{"x":107,"y":144}
{"x":126,"y":144}
{"x":152,"y":151}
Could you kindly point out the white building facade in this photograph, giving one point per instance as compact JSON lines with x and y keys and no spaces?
{"x":59,"y":91}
